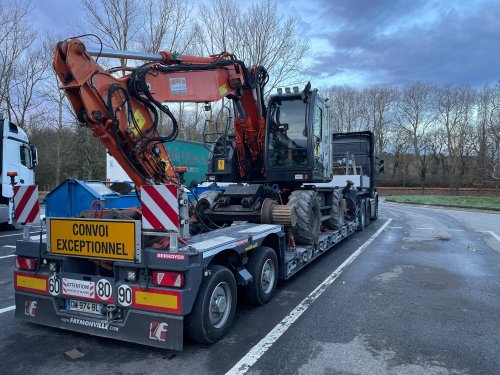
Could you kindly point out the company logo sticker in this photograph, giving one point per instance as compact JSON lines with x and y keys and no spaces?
{"x":88,"y":323}
{"x":30,"y":308}
{"x":170,"y":256}
{"x":158,"y":331}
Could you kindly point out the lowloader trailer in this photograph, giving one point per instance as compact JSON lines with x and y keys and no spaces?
{"x":91,"y":278}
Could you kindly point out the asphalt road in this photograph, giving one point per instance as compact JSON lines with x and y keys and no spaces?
{"x":422,"y":298}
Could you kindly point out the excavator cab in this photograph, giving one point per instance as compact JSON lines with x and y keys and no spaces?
{"x":298,"y":135}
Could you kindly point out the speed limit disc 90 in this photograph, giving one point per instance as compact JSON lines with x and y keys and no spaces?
{"x":124,"y":295}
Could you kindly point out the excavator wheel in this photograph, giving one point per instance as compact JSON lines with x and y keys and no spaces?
{"x":336,"y":220}
{"x":307,"y":206}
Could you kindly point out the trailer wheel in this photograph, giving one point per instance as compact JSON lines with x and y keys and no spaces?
{"x":306,"y":202}
{"x":361,"y":216}
{"x":336,"y":220}
{"x":214,"y":308}
{"x":263,"y":266}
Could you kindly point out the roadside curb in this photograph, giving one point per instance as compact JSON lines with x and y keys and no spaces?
{"x":387,"y":199}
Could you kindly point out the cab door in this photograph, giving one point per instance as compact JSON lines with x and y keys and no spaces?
{"x":321,"y":139}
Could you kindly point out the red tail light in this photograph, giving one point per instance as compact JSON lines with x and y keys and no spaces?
{"x":172,"y":279}
{"x":27,"y":264}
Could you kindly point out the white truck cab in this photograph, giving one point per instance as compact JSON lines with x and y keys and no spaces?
{"x":18,"y":155}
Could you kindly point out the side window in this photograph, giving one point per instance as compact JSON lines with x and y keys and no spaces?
{"x":25,"y":156}
{"x":318,"y":129}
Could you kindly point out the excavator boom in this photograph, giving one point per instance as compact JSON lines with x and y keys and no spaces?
{"x":123,"y":112}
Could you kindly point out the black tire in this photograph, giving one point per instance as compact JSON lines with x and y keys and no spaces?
{"x":336,"y":220}
{"x":375,"y":216}
{"x":367,"y":213}
{"x":204,"y":325}
{"x":361,"y":216}
{"x":263,"y":266}
{"x":306,"y":202}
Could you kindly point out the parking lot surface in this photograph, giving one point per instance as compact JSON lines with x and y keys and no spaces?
{"x":422,"y":297}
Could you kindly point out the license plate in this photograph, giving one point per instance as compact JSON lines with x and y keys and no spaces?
{"x":84,"y":306}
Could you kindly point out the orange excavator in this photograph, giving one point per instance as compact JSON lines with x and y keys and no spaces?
{"x":123,"y":112}
{"x":278,"y":150}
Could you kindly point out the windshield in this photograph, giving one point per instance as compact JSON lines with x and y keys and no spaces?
{"x":287,"y":134}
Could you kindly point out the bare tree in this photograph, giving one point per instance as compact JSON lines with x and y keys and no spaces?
{"x":347,"y":110}
{"x":25,"y":98}
{"x":169,"y":26}
{"x":488,"y":130}
{"x":379,"y":102}
{"x":414,"y":116}
{"x":453,"y":108}
{"x":257,"y":36}
{"x":116,"y":21}
{"x":16,"y":36}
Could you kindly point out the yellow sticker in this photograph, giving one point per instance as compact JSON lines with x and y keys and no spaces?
{"x":105,"y":239}
{"x":162,"y":300}
{"x":252,"y":246}
{"x":220,"y":164}
{"x":223,"y":89}
{"x":139,"y":118}
{"x":35,"y":283}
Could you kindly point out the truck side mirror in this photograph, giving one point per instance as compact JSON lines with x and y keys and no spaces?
{"x":381,"y":167}
{"x":34,"y":156}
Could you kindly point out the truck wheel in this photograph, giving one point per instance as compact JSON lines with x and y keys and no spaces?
{"x":367,"y":213}
{"x":336,"y":220}
{"x":214,"y":308}
{"x":375,"y":215}
{"x":361,"y":216}
{"x":306,"y":202}
{"x":263,"y":266}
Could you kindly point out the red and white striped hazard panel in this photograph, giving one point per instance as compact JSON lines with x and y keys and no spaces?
{"x":160,"y":207}
{"x":27,"y":209}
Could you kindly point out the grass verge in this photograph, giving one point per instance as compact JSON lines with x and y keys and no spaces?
{"x":488,"y":203}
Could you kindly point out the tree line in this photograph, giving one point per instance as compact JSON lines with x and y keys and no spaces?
{"x":427,"y":134}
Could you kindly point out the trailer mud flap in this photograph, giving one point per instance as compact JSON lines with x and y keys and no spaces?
{"x":141,"y":327}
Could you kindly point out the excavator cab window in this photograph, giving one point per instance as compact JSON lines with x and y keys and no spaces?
{"x":287,"y":134}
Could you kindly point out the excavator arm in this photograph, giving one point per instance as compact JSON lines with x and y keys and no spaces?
{"x":123,"y":112}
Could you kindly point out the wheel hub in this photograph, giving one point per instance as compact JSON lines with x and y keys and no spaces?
{"x":267,"y":276}
{"x":219,"y":308}
{"x":219,"y":304}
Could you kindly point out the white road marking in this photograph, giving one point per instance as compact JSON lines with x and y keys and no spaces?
{"x":11,"y":235}
{"x":8,"y":256}
{"x":491,"y":232}
{"x":263,"y":345}
{"x":424,"y":228}
{"x":37,"y":237}
{"x":396,"y":227}
{"x":17,"y":234}
{"x":7,"y":309}
{"x":442,"y":208}
{"x":9,"y":246}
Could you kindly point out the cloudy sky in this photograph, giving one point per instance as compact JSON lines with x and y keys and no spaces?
{"x":363,"y":42}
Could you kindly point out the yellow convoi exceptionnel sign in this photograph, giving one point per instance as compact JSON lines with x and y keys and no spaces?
{"x":105,"y":239}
